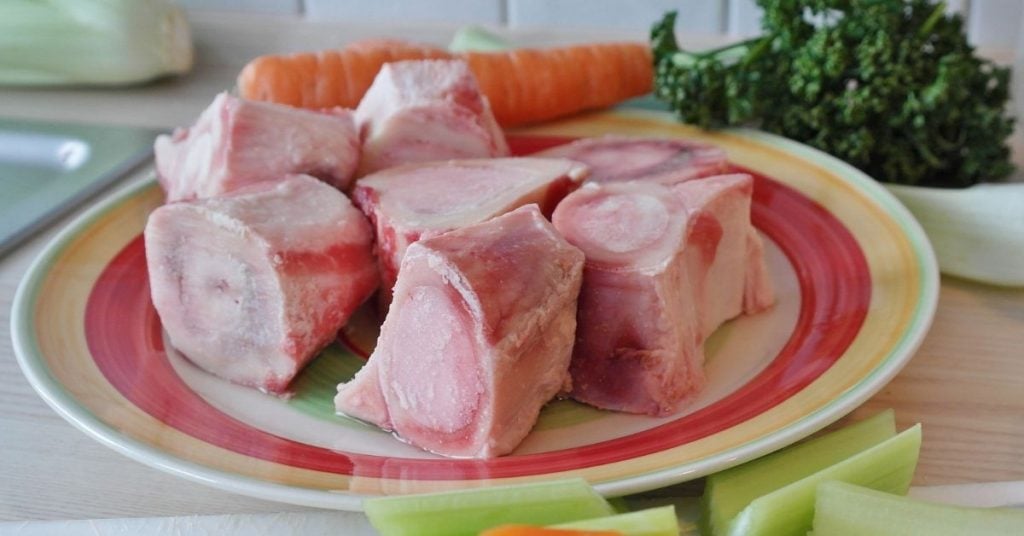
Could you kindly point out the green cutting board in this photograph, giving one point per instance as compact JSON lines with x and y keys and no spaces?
{"x":48,"y":168}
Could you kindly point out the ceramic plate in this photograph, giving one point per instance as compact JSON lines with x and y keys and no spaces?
{"x":857,"y":287}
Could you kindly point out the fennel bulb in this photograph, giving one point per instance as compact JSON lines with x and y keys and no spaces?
{"x":91,"y":42}
{"x":977,"y":232}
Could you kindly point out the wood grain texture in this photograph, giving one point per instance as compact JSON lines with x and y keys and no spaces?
{"x":966,"y":384}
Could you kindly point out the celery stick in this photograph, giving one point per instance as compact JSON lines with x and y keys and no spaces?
{"x":470,"y":511}
{"x":619,"y":504}
{"x":888,"y":466}
{"x":659,"y":521}
{"x":845,"y":510}
{"x":477,"y":39}
{"x":730,"y":491}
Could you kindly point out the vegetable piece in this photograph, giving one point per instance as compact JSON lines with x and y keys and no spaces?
{"x":473,"y":39}
{"x":843,"y":509}
{"x":977,"y":232}
{"x":728,"y":492}
{"x":892,"y":87}
{"x":327,"y":78}
{"x":91,"y":42}
{"x":528,"y":85}
{"x":532,"y":530}
{"x":469,"y":511}
{"x":478,"y":39}
{"x":523,"y":85}
{"x":888,"y":466}
{"x":619,"y":504}
{"x":660,"y":521}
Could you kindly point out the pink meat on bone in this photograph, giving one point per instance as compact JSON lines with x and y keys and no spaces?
{"x":411,"y":202}
{"x":252,"y":284}
{"x":667,"y":161}
{"x":478,"y":338}
{"x":237,"y":142}
{"x":666,"y":265}
{"x":426,"y":110}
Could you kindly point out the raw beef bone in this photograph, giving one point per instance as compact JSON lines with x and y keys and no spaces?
{"x":251,"y":285}
{"x":237,"y":142}
{"x":412,"y":202}
{"x":478,"y":339}
{"x":665,"y":267}
{"x":426,"y":110}
{"x":667,"y":161}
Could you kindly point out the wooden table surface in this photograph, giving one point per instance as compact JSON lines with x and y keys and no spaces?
{"x":966,"y":383}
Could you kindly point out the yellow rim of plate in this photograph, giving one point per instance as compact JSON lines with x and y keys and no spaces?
{"x":47,"y":328}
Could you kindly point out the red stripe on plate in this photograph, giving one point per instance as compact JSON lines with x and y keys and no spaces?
{"x":124,"y":337}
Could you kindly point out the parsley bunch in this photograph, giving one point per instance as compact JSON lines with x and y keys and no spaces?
{"x":890,"y":86}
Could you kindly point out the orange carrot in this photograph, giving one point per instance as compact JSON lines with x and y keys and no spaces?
{"x":530,"y":530}
{"x":525,"y":85}
{"x":528,"y":85}
{"x":337,"y":77}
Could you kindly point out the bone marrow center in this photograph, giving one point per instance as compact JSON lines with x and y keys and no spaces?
{"x":435,"y":374}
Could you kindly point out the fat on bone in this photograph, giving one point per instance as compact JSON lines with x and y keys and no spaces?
{"x":478,"y":338}
{"x":237,"y":142}
{"x":251,"y":285}
{"x":666,"y":161}
{"x":416,"y":201}
{"x":426,"y":110}
{"x":737,"y":261}
{"x":665,"y":267}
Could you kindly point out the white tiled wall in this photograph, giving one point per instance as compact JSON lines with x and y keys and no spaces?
{"x":255,"y":6}
{"x":995,"y":23}
{"x":697,"y":16}
{"x":990,"y":23}
{"x":383,"y":11}
{"x":744,"y":18}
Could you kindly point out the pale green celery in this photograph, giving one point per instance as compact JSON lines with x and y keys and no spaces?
{"x":660,"y":521}
{"x":847,"y":510}
{"x":888,"y":466}
{"x":91,"y":42}
{"x":728,"y":492}
{"x":619,"y":504}
{"x":469,"y":511}
{"x":977,"y":232}
{"x":477,"y":39}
